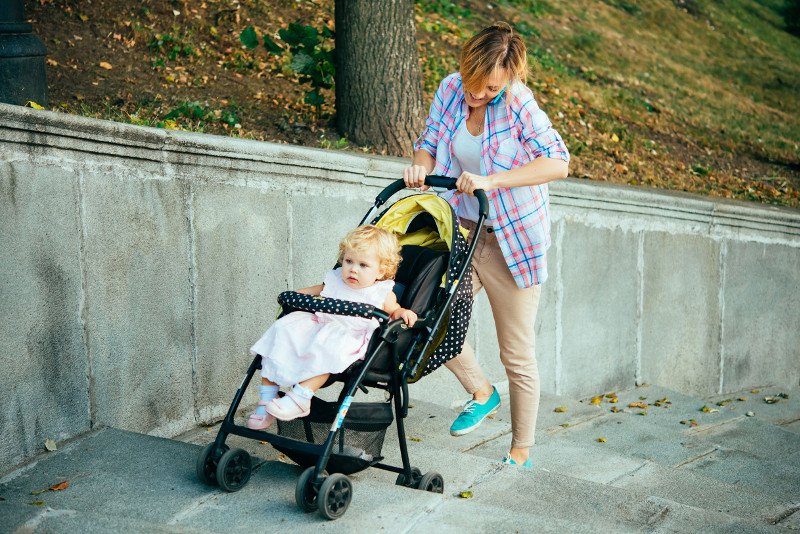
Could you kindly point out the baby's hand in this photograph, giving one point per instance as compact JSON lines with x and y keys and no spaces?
{"x":408,"y":316}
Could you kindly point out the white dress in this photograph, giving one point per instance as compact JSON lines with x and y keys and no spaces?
{"x":302,"y":345}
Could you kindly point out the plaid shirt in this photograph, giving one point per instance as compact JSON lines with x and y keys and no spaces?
{"x":516,"y":132}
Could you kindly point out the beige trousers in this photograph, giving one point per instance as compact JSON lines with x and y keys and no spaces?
{"x":514,"y":311}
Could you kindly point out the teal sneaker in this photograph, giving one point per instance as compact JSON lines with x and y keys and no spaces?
{"x":527,"y":465}
{"x":474,"y":413}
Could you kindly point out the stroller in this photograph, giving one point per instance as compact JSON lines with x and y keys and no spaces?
{"x":340,"y":438}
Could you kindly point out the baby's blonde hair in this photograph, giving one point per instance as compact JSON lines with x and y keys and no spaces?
{"x":370,"y":237}
{"x":496,"y":46}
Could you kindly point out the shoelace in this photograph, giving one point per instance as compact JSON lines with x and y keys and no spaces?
{"x":469,"y":407}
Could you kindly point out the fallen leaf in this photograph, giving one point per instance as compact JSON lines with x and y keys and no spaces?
{"x":754,"y":391}
{"x":84,"y":18}
{"x":560,"y":409}
{"x":601,"y":440}
{"x":613,"y":400}
{"x":706,"y":409}
{"x":105,"y":65}
{"x":692,"y":423}
{"x":415,"y":440}
{"x":771,"y":400}
{"x":37,"y":503}
{"x":564,"y":425}
{"x":61,"y":486}
{"x":749,"y":414}
{"x":642,"y":405}
{"x":615,"y":410}
{"x":615,"y":138}
{"x":49,"y":444}
{"x":742,"y":399}
{"x":52,"y":62}
{"x":724,"y":402}
{"x":642,"y":413}
{"x":465,"y":494}
{"x":611,"y":395}
{"x":783,"y":395}
{"x":597,"y":400}
{"x":34,"y":105}
{"x":663,"y":403}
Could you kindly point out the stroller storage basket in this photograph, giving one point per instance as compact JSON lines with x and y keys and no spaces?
{"x":358,"y":442}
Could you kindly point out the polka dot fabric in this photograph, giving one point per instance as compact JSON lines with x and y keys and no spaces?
{"x":309,"y":303}
{"x":460,"y":306}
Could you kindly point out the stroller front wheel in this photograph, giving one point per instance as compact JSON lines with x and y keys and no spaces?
{"x":206,"y":466}
{"x":432,"y":482}
{"x":335,"y":495}
{"x":304,"y":493}
{"x":233,"y":470}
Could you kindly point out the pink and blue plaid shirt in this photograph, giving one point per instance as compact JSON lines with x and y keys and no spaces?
{"x":516,"y":132}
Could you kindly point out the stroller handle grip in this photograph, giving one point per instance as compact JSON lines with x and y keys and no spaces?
{"x":433,"y":180}
{"x":294,"y":301}
{"x":450,"y":183}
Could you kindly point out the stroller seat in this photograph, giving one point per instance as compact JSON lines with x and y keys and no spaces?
{"x":416,"y":283}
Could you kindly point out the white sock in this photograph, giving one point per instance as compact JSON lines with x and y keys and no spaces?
{"x":302,"y":392}
{"x":266,"y":393}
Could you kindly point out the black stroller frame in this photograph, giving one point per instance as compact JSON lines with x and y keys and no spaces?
{"x":316,"y":490}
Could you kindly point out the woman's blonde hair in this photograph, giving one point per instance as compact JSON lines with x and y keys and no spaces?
{"x":493,"y":47}
{"x":371,"y":238}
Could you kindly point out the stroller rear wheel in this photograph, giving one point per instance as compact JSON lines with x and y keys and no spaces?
{"x":206,"y":466}
{"x":335,"y":495}
{"x":304,"y":493}
{"x":432,"y":482}
{"x":233,"y":470}
{"x":415,"y":476}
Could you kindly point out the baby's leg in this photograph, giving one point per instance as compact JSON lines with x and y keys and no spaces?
{"x":260,"y":419}
{"x":297,"y":402}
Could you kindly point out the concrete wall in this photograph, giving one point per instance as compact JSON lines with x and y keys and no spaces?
{"x":138,"y":265}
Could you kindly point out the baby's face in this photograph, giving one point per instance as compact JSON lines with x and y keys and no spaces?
{"x":361,"y":269}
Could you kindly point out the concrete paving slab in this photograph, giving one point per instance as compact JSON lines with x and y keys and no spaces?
{"x":777,"y":477}
{"x":784,"y":412}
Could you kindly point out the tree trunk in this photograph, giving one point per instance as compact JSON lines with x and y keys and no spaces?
{"x":378,"y":81}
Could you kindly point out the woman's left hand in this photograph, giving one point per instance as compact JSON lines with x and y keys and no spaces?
{"x":468,"y":183}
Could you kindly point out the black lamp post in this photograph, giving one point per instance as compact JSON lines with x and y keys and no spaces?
{"x":22,"y":58}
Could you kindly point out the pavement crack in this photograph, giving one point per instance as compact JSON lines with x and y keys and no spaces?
{"x":486,"y":440}
{"x":697,"y":457}
{"x":628,"y":474}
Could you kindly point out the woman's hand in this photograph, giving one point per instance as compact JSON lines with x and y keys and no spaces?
{"x":414,"y":176}
{"x":468,"y":183}
{"x":408,"y":316}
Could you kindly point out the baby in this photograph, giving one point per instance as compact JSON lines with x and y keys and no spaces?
{"x":302,"y":349}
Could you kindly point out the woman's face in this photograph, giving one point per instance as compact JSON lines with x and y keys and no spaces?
{"x":488,"y":89}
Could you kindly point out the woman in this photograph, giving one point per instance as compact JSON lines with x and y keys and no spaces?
{"x":485,"y":128}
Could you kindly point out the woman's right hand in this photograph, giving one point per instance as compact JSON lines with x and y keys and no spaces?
{"x":414,"y":176}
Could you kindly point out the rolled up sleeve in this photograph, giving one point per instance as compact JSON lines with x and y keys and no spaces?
{"x":538,"y":135}
{"x":430,"y":135}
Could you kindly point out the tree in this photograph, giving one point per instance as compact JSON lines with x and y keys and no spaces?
{"x":378,"y":79}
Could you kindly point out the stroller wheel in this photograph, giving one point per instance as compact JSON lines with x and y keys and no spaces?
{"x":233,"y":470}
{"x":304,"y":493}
{"x":432,"y":482}
{"x":415,"y":476}
{"x":206,"y":467}
{"x":335,"y":495}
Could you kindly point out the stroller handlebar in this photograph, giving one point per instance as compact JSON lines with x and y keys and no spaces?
{"x":434,"y":181}
{"x":294,"y":301}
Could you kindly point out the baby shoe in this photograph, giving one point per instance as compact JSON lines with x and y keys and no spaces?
{"x":260,"y":422}
{"x":290,"y":406}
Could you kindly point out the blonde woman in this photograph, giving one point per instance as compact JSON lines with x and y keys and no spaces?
{"x":486,"y":129}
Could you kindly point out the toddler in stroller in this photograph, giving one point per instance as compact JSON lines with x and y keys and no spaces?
{"x":331,"y":440}
{"x":302,"y":349}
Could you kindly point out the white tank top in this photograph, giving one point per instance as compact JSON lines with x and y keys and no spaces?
{"x":467,"y":150}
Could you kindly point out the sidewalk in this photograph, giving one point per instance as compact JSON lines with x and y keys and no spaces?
{"x":730,"y":473}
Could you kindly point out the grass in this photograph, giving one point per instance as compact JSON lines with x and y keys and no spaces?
{"x":693,"y":95}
